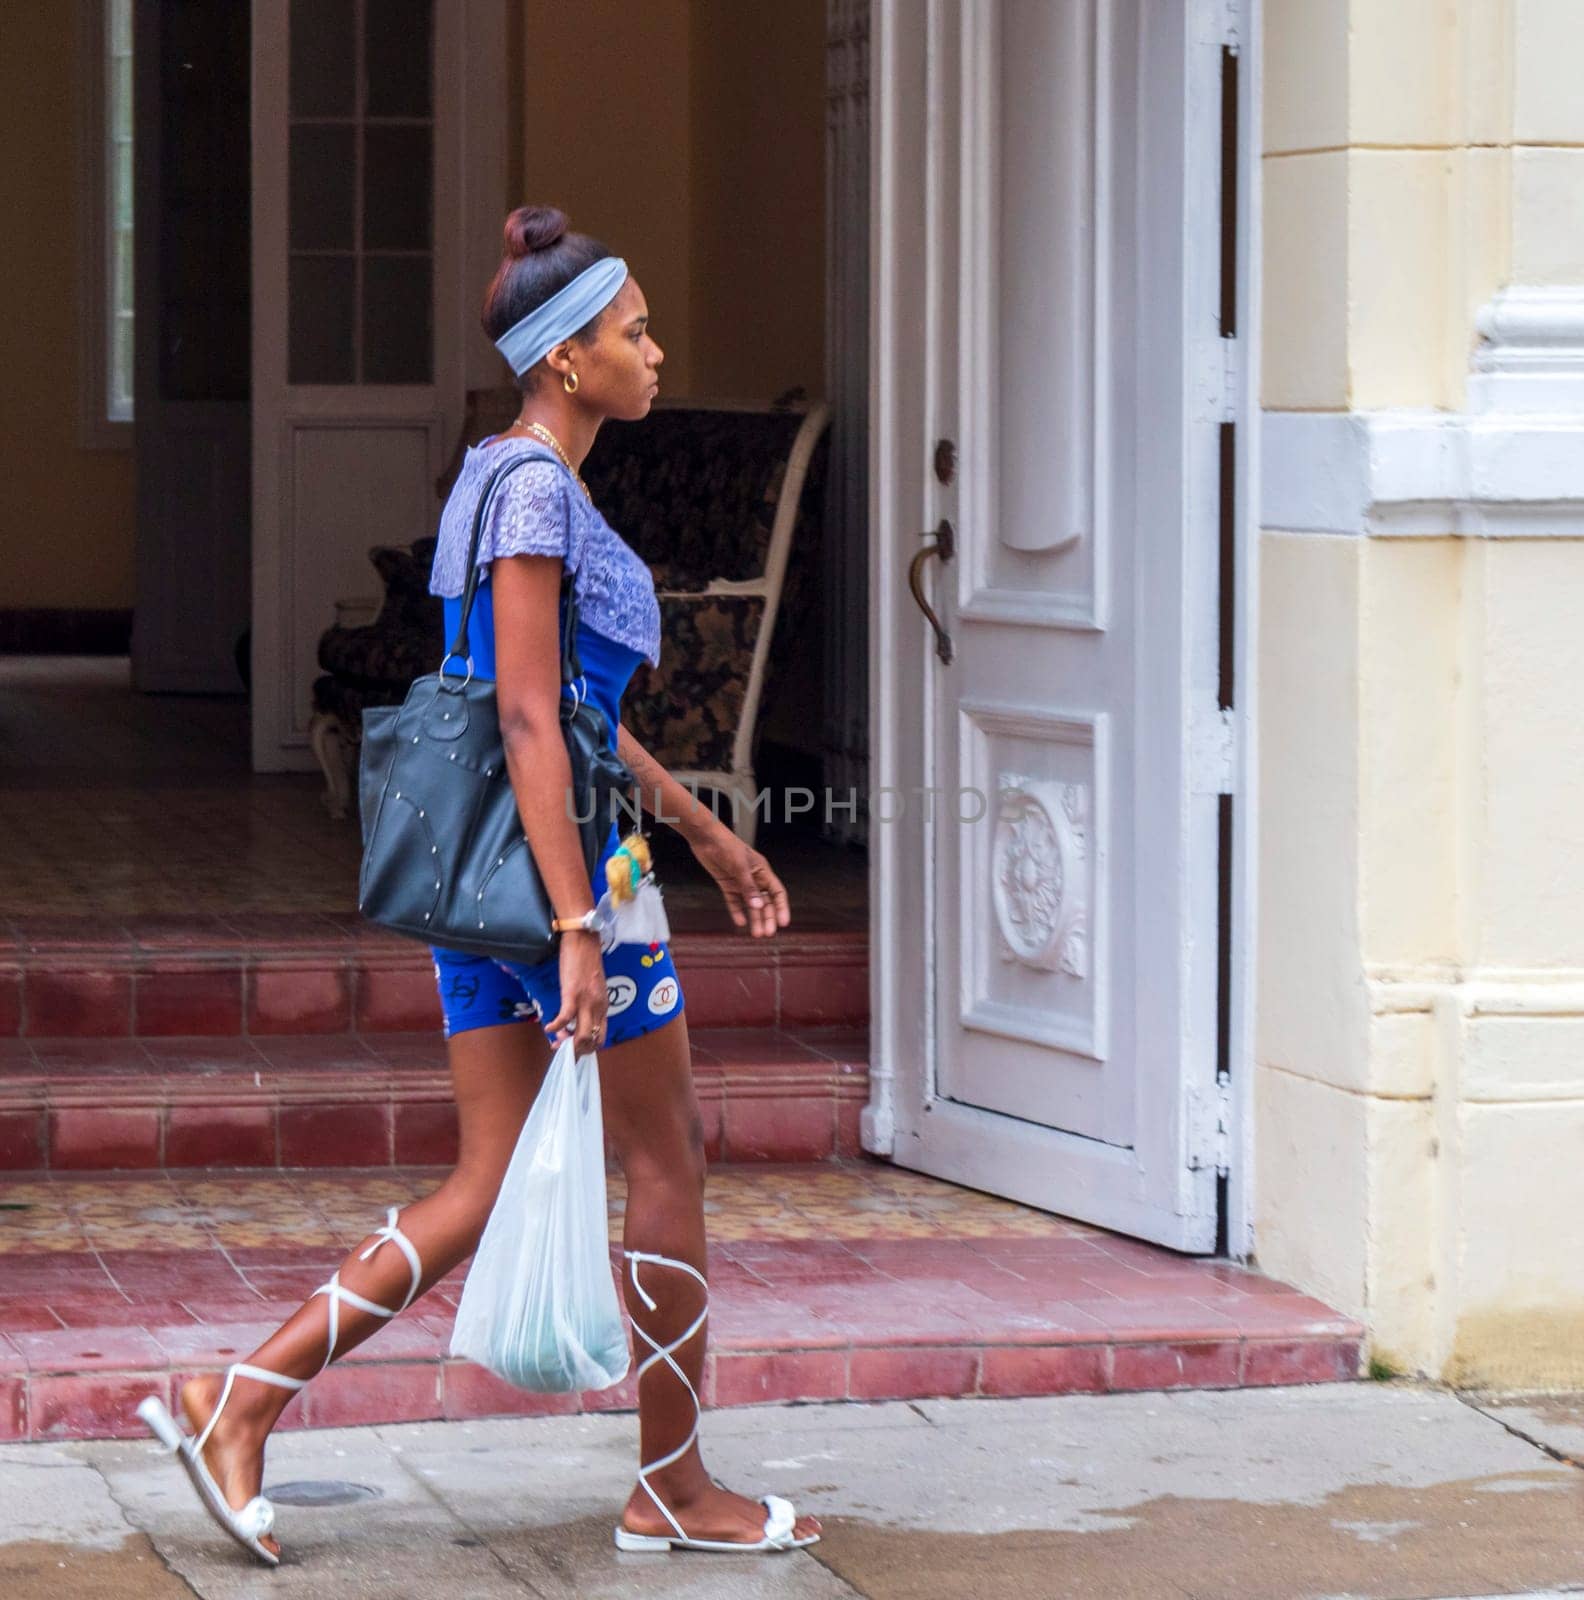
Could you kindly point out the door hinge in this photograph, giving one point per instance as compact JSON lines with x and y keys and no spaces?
{"x":1212,"y":1129}
{"x":1220,"y":376}
{"x":1212,"y":753}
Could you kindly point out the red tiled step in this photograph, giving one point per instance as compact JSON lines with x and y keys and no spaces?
{"x":84,"y":1337}
{"x":257,"y":976}
{"x":376,"y":1099}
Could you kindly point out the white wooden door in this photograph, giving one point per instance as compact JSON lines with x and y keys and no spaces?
{"x":1049,"y":428}
{"x":379,"y":166}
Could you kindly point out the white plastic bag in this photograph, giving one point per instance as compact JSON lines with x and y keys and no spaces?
{"x":539,"y":1304}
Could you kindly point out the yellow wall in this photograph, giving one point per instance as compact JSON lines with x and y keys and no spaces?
{"x":66,"y":527}
{"x":1420,"y":1027}
{"x":758,"y":164}
{"x":1386,"y":197}
{"x":606,"y":134}
{"x":689,"y":135}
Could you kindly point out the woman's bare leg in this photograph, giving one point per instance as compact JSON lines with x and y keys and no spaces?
{"x":652,"y":1116}
{"x":496,"y":1073}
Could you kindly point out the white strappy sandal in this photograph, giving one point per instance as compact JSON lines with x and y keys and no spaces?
{"x":249,"y":1523}
{"x":781,"y":1515}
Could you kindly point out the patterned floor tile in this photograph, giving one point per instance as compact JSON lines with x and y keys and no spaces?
{"x":175,"y":822}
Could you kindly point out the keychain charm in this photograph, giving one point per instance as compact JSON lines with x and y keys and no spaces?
{"x":625,"y":870}
{"x":632,"y":909}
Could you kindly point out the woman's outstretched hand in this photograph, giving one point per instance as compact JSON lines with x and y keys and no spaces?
{"x":755,"y":896}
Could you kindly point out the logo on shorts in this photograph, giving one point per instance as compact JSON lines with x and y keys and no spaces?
{"x":620,"y":993}
{"x":462,"y":990}
{"x":663,"y":996}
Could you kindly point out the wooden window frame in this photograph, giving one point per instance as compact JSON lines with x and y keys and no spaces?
{"x":97,"y":429}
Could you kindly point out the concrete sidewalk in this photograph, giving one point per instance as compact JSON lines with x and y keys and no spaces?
{"x":1361,"y":1490}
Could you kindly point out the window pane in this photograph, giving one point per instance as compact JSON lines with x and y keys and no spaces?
{"x":397,"y":319}
{"x":398,"y":51}
{"x":204,"y":156}
{"x":396,"y":188}
{"x":121,"y":97}
{"x":117,"y":330}
{"x":120,"y":397}
{"x":320,"y":346}
{"x":322,"y":173}
{"x":121,"y":272}
{"x":122,"y":178}
{"x":323,"y":58}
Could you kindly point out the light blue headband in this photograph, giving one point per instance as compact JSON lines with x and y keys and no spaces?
{"x":536,"y":335}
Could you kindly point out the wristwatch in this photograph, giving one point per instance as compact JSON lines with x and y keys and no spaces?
{"x":589,"y":921}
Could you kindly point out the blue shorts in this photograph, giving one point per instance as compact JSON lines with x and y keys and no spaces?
{"x":480,"y":992}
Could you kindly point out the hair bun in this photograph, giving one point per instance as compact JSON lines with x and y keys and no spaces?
{"x":531,"y":228}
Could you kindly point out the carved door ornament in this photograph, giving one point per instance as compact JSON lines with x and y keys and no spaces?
{"x":1040,"y":873}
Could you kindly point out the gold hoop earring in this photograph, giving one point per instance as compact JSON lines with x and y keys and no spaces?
{"x":570,"y":383}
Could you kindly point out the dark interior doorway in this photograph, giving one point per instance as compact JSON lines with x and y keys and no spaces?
{"x":191,"y":182}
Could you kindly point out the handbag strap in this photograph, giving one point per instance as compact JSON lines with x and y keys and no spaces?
{"x":571,"y":666}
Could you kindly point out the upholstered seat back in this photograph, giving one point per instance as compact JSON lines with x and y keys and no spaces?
{"x":400,"y":644}
{"x":693,"y":490}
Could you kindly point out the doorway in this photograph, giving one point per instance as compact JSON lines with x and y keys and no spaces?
{"x":192,"y":362}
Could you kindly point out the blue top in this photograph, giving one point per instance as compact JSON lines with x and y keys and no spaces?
{"x":538,"y":509}
{"x":607,"y":665}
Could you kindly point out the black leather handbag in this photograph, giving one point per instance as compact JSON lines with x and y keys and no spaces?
{"x":445,"y":858}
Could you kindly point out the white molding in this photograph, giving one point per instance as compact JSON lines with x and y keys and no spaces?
{"x":901,"y":997}
{"x":1531,"y":352}
{"x":1509,"y":467}
{"x":1423,"y":474}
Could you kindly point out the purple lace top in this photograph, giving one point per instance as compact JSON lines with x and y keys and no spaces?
{"x":538,"y":509}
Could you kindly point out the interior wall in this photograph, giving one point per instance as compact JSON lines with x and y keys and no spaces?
{"x":758,"y":252}
{"x":758,"y":171}
{"x":66,"y":531}
{"x":689,"y":135}
{"x":607,"y":120}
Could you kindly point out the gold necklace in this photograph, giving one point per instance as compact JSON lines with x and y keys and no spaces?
{"x":540,"y":431}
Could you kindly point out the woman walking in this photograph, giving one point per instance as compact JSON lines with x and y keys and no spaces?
{"x":573,"y":324}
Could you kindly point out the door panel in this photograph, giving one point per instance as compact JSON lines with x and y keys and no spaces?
{"x":1055,"y":174}
{"x":378,"y":175}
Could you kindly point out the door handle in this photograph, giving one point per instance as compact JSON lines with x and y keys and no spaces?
{"x":945,"y":546}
